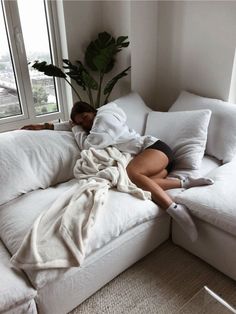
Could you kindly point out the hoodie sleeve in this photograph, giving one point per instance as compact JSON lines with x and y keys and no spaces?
{"x":62,"y":126}
{"x":105,"y":131}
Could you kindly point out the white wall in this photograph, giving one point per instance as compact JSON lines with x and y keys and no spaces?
{"x":144,"y":56}
{"x":196,"y":45}
{"x":136,"y":19}
{"x":82,"y":22}
{"x":115,"y":19}
{"x":175,"y":45}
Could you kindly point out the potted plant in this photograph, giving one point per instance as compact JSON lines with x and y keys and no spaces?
{"x":99,"y":58}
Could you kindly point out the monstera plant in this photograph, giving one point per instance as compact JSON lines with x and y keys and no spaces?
{"x":99,"y":58}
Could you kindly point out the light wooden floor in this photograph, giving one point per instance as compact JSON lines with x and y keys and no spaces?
{"x":162,"y":282}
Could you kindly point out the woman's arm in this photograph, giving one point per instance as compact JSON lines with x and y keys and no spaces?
{"x":58,"y":126}
{"x":38,"y":127}
{"x":63,"y":126}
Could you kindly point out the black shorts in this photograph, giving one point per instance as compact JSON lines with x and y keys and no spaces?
{"x":163,"y":147}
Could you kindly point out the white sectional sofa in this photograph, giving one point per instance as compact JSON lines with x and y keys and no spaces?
{"x":213,"y":207}
{"x":37,"y":167}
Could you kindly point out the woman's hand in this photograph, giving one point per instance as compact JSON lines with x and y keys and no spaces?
{"x":34,"y":127}
{"x":72,"y":123}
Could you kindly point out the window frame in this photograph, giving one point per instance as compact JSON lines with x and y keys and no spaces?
{"x":19,"y":60}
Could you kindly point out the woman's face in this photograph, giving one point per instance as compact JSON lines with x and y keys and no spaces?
{"x":85,"y":120}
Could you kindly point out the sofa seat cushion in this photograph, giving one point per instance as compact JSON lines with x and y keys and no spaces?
{"x":121,"y":213}
{"x":15,"y":289}
{"x":215,"y":204}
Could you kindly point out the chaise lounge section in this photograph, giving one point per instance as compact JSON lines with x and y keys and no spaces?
{"x":41,"y":166}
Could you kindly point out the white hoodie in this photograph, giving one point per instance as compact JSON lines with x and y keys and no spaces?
{"x":110,"y":129}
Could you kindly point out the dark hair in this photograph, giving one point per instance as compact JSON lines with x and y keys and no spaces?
{"x":80,"y":107}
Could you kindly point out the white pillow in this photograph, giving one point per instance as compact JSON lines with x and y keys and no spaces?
{"x":136,"y":111}
{"x":185,"y":132}
{"x":221,"y":141}
{"x":30,"y":160}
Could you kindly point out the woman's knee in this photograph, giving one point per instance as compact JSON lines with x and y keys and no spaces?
{"x":132,"y":172}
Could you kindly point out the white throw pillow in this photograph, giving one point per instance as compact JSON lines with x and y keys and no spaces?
{"x":185,"y":132}
{"x":221,"y":141}
{"x":135,"y":110}
{"x":30,"y":160}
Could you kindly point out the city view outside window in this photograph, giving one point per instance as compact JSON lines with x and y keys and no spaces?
{"x":9,"y":99}
{"x":35,"y":41}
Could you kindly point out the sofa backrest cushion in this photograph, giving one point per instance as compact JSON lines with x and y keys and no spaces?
{"x":34,"y":159}
{"x":185,"y":132}
{"x":221,"y":141}
{"x":136,"y":111}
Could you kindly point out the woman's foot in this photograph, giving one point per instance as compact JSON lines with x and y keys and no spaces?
{"x":190,"y":182}
{"x":180,"y":214}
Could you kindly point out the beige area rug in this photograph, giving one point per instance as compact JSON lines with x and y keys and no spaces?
{"x":162,"y":282}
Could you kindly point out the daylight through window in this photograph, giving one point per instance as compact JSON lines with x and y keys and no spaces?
{"x":9,"y":98}
{"x":26,"y":94}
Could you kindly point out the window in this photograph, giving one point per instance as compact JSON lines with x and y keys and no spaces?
{"x":27,"y":31}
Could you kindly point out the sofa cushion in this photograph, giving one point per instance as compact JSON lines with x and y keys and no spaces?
{"x":221,"y":141}
{"x":34,"y":159}
{"x":136,"y":111}
{"x":122,"y":212}
{"x":208,"y":164}
{"x":185,"y":132}
{"x":15,"y":289}
{"x":214,"y":204}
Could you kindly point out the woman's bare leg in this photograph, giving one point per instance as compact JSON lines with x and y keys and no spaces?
{"x":173,"y":183}
{"x":152,"y":163}
{"x":164,"y":183}
{"x":143,"y":167}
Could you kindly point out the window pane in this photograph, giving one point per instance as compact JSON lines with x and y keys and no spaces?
{"x":9,"y":99}
{"x":35,"y":34}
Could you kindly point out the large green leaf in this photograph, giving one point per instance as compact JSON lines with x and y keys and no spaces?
{"x":87,"y":78}
{"x":91,"y":52}
{"x":104,"y":40}
{"x":89,"y":81}
{"x":75,"y":72}
{"x":120,"y":40}
{"x":104,"y":60}
{"x":80,"y":75}
{"x":100,"y":53}
{"x":48,"y":69}
{"x":110,"y":85}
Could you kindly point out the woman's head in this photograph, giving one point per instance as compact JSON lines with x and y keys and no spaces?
{"x":83,"y":114}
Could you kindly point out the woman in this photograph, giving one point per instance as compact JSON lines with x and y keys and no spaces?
{"x":152,"y":161}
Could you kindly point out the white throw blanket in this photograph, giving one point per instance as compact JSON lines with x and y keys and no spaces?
{"x":59,"y":235}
